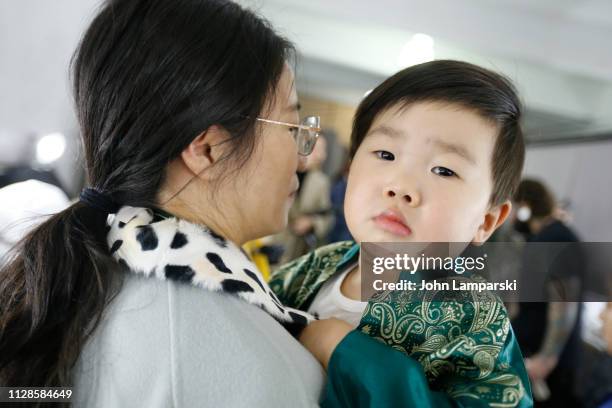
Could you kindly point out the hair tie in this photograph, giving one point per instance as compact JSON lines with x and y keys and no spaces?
{"x":99,"y":200}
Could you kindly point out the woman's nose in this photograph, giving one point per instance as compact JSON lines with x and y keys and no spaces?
{"x":412,"y":197}
{"x":301,"y":163}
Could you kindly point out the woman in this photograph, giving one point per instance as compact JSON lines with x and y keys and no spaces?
{"x":186,"y":111}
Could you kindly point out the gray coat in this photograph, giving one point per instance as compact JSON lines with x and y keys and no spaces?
{"x":166,"y":344}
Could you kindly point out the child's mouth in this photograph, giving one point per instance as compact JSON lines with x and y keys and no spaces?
{"x":393,"y":223}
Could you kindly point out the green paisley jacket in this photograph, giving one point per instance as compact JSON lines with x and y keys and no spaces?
{"x":458,"y":351}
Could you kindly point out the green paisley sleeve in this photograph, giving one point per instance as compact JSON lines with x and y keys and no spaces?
{"x":460,"y":352}
{"x":297,"y":282}
{"x":363,"y":372}
{"x":388,"y":378}
{"x":287,"y":280}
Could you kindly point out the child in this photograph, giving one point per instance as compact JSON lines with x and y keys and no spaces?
{"x":437,"y":152}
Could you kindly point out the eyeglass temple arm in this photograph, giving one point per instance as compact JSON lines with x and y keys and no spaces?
{"x":306,"y":127}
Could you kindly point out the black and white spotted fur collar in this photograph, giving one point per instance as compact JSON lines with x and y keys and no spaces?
{"x":166,"y":247}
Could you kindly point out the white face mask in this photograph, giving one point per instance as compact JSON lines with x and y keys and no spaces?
{"x":523,"y":213}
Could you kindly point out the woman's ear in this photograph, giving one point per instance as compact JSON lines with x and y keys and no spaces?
{"x":204,"y":150}
{"x":493,"y":219}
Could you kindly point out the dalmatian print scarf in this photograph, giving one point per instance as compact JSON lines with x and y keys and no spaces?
{"x":153,"y":245}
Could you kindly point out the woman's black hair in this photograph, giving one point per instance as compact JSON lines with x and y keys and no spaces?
{"x":149,"y":76}
{"x":491,"y":95}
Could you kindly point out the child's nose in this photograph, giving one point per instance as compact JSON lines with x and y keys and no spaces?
{"x":412,"y":198}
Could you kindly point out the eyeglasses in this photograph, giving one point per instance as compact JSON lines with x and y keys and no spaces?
{"x":305,"y":135}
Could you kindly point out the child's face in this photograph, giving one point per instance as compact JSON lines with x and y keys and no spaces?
{"x":423,"y":174}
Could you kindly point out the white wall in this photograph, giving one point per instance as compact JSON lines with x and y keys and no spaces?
{"x":582,"y":175}
{"x":37,"y":39}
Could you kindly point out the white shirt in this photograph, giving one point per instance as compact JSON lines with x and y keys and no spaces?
{"x":330,"y":302}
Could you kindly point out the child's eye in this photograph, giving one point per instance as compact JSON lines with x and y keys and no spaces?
{"x":385,"y":155}
{"x":443,"y":171}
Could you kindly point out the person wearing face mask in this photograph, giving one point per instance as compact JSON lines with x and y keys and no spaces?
{"x":548,"y":332}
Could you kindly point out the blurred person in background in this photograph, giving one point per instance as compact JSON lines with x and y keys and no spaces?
{"x":339,"y":231}
{"x":548,"y":332}
{"x":28,"y":203}
{"x":23,"y":172}
{"x":311,"y":216}
{"x":606,"y":318}
{"x":606,"y":362}
{"x":29,"y":190}
{"x":31,"y":156}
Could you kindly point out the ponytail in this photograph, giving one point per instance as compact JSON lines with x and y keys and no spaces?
{"x":53,"y":290}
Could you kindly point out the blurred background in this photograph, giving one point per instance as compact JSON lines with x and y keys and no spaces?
{"x":557,"y":52}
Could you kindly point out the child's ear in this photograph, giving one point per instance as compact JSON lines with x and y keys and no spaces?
{"x":494,"y":217}
{"x":204,"y":150}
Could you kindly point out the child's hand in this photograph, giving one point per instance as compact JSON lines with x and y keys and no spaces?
{"x":322,"y":336}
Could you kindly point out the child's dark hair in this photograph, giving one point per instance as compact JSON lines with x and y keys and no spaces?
{"x":489,"y":94}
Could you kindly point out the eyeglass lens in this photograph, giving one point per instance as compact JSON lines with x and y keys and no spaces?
{"x":306,"y":138}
